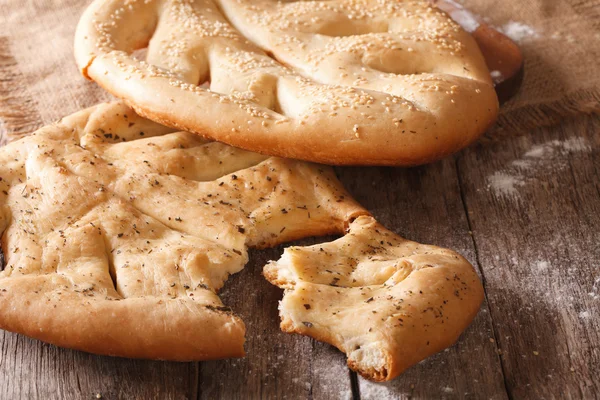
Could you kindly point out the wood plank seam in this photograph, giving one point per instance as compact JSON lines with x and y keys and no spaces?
{"x":354,"y":385}
{"x":483,"y":279}
{"x":195,"y":389}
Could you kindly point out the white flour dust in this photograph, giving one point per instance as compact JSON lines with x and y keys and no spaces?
{"x":548,"y":285}
{"x":447,"y":389}
{"x":595,"y":293}
{"x":505,"y":184}
{"x":328,"y":373}
{"x":518,"y":31}
{"x":497,"y":76}
{"x":584,"y":314}
{"x":377,"y":391}
{"x":464,"y":17}
{"x":395,"y":390}
{"x":550,"y":155}
{"x":542,"y":266}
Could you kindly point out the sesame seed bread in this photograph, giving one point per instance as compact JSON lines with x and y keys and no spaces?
{"x":371,"y":82}
{"x":386,"y":302}
{"x":117,"y":233}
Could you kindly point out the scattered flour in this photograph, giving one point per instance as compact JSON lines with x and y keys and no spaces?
{"x":497,"y":76}
{"x":466,"y":19}
{"x":377,"y":391}
{"x":584,"y":314}
{"x":547,"y":282}
{"x":538,"y":151}
{"x":458,"y":13}
{"x":505,"y":184}
{"x":447,"y":389}
{"x":552,"y":154}
{"x":331,"y":374}
{"x":550,"y":149}
{"x":576,"y":144}
{"x":542,"y":266}
{"x":595,"y":293}
{"x":393,"y":390}
{"x":568,"y":36}
{"x":518,"y":31}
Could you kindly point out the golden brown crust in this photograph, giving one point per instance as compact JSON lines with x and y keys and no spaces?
{"x":143,"y":327}
{"x":386,"y":302}
{"x":117,"y":233}
{"x":392,"y":83}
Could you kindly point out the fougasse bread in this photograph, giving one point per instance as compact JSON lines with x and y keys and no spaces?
{"x":118,"y":232}
{"x":369,"y":82}
{"x":385,"y":301}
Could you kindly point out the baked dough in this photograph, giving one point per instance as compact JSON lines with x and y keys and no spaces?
{"x":385,"y":301}
{"x":117,"y":233}
{"x":371,"y":82}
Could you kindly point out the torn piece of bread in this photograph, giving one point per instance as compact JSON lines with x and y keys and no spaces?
{"x":117,"y":233}
{"x":385,"y":301}
{"x":370,"y":82}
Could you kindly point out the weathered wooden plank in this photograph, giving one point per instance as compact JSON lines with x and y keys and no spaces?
{"x":424,"y":204}
{"x":18,"y":113}
{"x":278,"y":365}
{"x":33,"y":370}
{"x":534,"y":207}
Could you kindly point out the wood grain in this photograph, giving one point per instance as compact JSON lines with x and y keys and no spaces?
{"x":34,"y":370}
{"x":534,"y":208}
{"x":277,"y":365}
{"x":18,"y":114}
{"x":424,"y":204}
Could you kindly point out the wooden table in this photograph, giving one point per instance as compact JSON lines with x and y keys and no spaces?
{"x":524,"y":210}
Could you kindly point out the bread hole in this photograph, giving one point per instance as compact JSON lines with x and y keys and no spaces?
{"x":140,"y":54}
{"x":134,"y":34}
{"x":204,"y":82}
{"x":274,"y":57}
{"x":351,"y":28}
{"x":276,"y":103}
{"x":113,"y":273}
{"x":387,"y":62}
{"x":353,"y":217}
